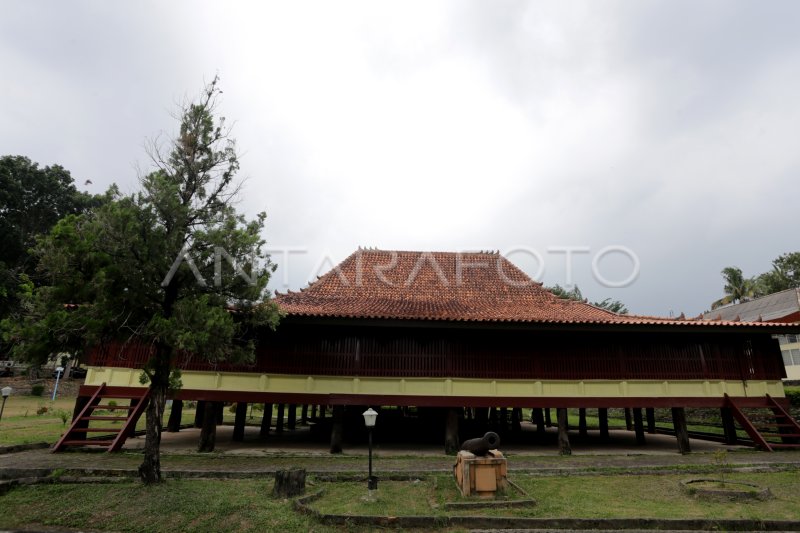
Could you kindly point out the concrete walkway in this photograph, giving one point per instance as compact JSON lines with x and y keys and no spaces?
{"x":255,"y":456}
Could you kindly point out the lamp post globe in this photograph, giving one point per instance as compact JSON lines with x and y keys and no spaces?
{"x":370,"y":417}
{"x":6,"y":392}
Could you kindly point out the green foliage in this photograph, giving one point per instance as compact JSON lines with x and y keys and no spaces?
{"x":153,"y":267}
{"x":64,"y":415}
{"x":793,"y":394}
{"x":737,"y":287}
{"x":32,"y":200}
{"x":785,"y":274}
{"x":37,"y":390}
{"x":615,"y":306}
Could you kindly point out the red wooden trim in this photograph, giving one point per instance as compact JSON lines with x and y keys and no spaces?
{"x":133,"y":417}
{"x":778,"y":408}
{"x":746,"y":424}
{"x":77,"y":419}
{"x":445,"y":401}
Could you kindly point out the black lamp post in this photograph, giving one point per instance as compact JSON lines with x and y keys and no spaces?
{"x":370,"y":416}
{"x":6,"y":391}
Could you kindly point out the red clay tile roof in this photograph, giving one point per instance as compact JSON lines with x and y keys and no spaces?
{"x":452,"y":286}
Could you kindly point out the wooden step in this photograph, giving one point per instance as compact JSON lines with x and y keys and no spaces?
{"x":104,"y":418}
{"x":785,"y":446}
{"x":782,"y":435}
{"x":98,"y":430}
{"x":88,"y":442}
{"x":112,"y":407}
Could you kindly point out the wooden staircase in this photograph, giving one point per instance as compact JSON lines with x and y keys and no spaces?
{"x":108,"y":435}
{"x":770,"y":427}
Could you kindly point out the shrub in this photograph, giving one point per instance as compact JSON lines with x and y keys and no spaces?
{"x":793,"y":394}
{"x":37,"y":390}
{"x":41,"y":410}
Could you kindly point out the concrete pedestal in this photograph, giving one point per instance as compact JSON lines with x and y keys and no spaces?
{"x":481,"y":476}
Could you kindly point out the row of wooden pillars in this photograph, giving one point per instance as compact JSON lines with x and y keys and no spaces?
{"x":542,"y":419}
{"x":641,"y":421}
{"x":209,"y":415}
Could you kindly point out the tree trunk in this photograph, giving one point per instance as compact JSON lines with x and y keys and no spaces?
{"x":208,"y":435}
{"x":239,"y":422}
{"x":199,"y":413}
{"x":289,"y":483}
{"x":563,"y":437}
{"x":175,"y":414}
{"x":628,"y":420}
{"x":150,"y":469}
{"x":451,"y":444}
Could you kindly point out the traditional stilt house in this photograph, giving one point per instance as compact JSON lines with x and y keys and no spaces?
{"x":463,"y":333}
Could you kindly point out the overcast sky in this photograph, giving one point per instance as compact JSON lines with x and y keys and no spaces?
{"x":669,"y":128}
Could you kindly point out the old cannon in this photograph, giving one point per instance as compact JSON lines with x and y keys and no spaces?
{"x":482,"y":445}
{"x":480,"y":467}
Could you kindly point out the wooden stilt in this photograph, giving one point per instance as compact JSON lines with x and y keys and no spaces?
{"x":304,"y":414}
{"x":516,"y":420}
{"x":451,"y":442}
{"x":651,"y":419}
{"x":538,"y":419}
{"x":313,"y":412}
{"x":292,"y":425}
{"x":199,"y":413}
{"x":681,"y":431}
{"x":337,"y":431}
{"x":503,"y":419}
{"x":628,"y":420}
{"x":208,"y":435}
{"x":547,"y":420}
{"x":220,"y":407}
{"x":602,"y":414}
{"x":728,"y":426}
{"x":493,"y":418}
{"x":582,"y":430}
{"x":563,"y":437}
{"x":638,"y":425}
{"x":322,"y":412}
{"x":481,"y":419}
{"x":239,"y":422}
{"x":279,"y":422}
{"x":266,"y":420}
{"x":175,"y":414}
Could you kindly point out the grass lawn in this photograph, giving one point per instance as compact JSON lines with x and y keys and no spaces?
{"x":246,"y":505}
{"x":620,"y":496}
{"x":28,"y":419}
{"x":178,"y":505}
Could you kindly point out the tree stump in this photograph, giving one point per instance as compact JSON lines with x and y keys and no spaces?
{"x":289,"y":483}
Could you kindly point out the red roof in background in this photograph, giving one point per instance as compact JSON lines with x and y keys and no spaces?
{"x":451,"y":286}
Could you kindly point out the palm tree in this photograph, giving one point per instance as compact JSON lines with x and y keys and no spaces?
{"x":737,"y":287}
